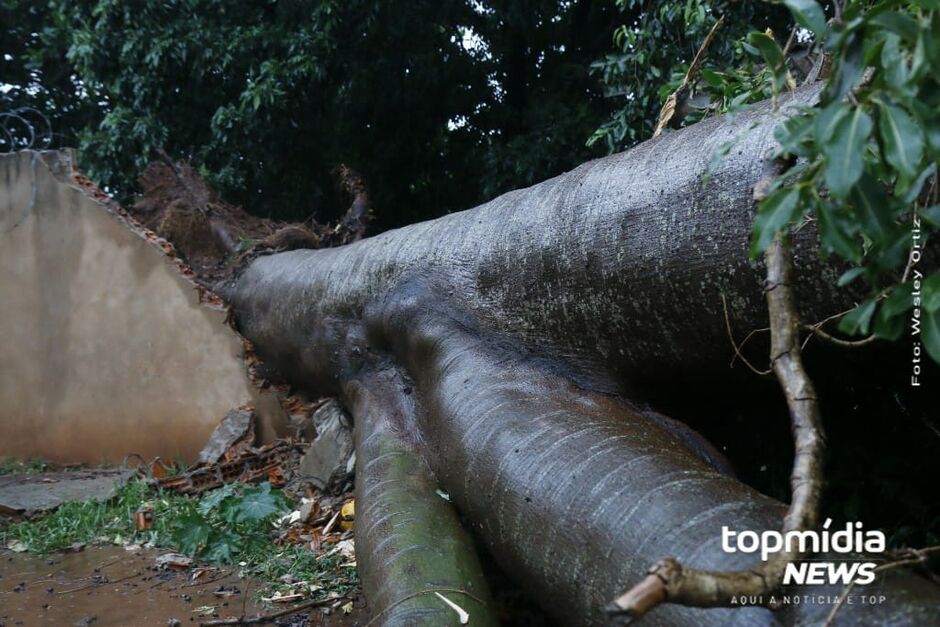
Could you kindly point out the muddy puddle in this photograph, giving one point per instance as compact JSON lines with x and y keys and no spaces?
{"x":110,"y":586}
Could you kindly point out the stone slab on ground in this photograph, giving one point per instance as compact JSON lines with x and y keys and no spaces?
{"x":22,"y":494}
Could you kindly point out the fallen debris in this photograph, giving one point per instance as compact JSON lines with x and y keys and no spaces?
{"x":252,"y":464}
{"x":234,"y":435}
{"x":176,"y":561}
{"x":330,"y":461}
{"x":143,"y":517}
{"x":462,"y":615}
{"x":267,"y":618}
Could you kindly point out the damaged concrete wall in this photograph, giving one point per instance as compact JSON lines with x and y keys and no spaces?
{"x":106,"y":347}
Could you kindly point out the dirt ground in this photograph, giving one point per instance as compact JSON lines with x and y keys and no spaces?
{"x":217,"y":238}
{"x":111,"y":586}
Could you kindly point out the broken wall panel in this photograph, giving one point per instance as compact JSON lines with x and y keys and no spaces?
{"x":106,"y":346}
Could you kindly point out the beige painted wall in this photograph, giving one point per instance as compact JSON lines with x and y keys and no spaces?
{"x":104,"y":347}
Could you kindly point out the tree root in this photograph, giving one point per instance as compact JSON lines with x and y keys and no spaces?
{"x":409,"y":542}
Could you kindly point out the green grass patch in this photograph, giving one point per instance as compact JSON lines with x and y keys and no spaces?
{"x":230,"y":525}
{"x":11,"y":465}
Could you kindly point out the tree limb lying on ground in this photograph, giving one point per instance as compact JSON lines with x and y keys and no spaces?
{"x":519,"y":332}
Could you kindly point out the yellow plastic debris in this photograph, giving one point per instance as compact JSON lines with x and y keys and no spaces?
{"x":347,"y":515}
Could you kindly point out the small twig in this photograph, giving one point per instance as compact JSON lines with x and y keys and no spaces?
{"x":268,"y":618}
{"x":930,"y":426}
{"x":837,"y":6}
{"x":737,"y":350}
{"x":682,"y":91}
{"x":746,"y":339}
{"x":790,"y":40}
{"x":815,"y":330}
{"x":205,"y":582}
{"x":329,"y":526}
{"x":920,"y":557}
{"x":78,"y":589}
{"x":99,"y":583}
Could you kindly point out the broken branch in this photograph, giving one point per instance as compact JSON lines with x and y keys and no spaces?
{"x":267,"y":618}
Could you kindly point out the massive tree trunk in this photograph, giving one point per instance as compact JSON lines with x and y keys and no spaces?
{"x":494,"y":353}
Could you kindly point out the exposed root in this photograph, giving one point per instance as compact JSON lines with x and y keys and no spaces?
{"x":409,"y":541}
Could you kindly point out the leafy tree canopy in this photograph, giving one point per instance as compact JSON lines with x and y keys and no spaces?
{"x":439,"y":105}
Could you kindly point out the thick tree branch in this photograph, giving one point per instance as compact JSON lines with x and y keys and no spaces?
{"x":668,"y":581}
{"x":522,"y":327}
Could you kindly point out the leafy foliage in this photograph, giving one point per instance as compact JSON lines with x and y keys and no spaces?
{"x":438,"y":105}
{"x":229,"y":522}
{"x":655,"y":44}
{"x":865,"y":160}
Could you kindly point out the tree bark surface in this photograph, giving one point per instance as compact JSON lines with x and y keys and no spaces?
{"x":517,"y":330}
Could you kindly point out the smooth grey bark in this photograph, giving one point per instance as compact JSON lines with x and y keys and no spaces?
{"x":520,"y":328}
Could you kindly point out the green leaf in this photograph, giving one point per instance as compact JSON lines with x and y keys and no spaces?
{"x":222,"y":547}
{"x":891,"y":250}
{"x":872,"y":208}
{"x":931,"y":215}
{"x":902,"y":139}
{"x":808,"y":14}
{"x":899,"y":300}
{"x":930,"y":293}
{"x":888,"y":327}
{"x":849,"y":276}
{"x":930,"y":332}
{"x":837,"y":234}
{"x":260,"y":503}
{"x":930,"y":122}
{"x":213,"y":499}
{"x":827,"y":119}
{"x":903,"y":25}
{"x":713,"y":78}
{"x":849,"y":68}
{"x":773,"y":55}
{"x":774,"y":213}
{"x":792,"y":134}
{"x":845,"y":152}
{"x":858,"y":320}
{"x":191,"y":534}
{"x":894,"y":64}
{"x":918,"y":184}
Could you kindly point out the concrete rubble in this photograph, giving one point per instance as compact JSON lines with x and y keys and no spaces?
{"x":330,"y":461}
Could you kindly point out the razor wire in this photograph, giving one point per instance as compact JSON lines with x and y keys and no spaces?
{"x":24,"y":128}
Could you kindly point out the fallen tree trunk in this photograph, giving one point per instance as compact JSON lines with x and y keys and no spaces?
{"x":517,"y":330}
